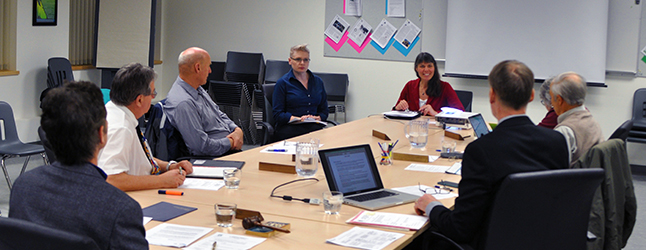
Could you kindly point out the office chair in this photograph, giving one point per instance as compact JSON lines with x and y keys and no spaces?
{"x":21,"y":234}
{"x":275,"y":69}
{"x":638,"y":131}
{"x":267,"y":124}
{"x":466,"y":98}
{"x":235,"y":100}
{"x":541,"y":210}
{"x":244,"y":67}
{"x":49,"y":152}
{"x":614,"y":207}
{"x":59,"y":70}
{"x":622,"y":131}
{"x":10,"y":144}
{"x":336,"y":87}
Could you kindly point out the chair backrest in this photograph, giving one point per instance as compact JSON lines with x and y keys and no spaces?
{"x":543,"y":210}
{"x":244,"y":67}
{"x":275,"y":69}
{"x":21,"y":234}
{"x":269,"y":92}
{"x":10,"y":132}
{"x":165,"y":141}
{"x":217,"y":74}
{"x":49,"y":151}
{"x":236,"y":99}
{"x":466,"y":98}
{"x":639,"y":108}
{"x":622,"y":131}
{"x":59,"y":70}
{"x":336,"y":85}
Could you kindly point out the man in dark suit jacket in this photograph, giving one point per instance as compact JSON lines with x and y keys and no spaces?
{"x":516,"y":145}
{"x":72,"y":194}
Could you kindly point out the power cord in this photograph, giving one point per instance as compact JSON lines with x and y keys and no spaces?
{"x":313,"y":201}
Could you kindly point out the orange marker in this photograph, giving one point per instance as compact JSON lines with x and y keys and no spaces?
{"x":171,"y":192}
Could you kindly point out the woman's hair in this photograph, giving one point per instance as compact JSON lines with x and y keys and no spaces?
{"x":544,"y":91}
{"x":434,"y":85}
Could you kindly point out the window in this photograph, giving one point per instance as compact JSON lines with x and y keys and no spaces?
{"x":82,"y":29}
{"x":8,"y":35}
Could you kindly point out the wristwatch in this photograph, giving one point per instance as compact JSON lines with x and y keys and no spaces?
{"x":170,"y":163}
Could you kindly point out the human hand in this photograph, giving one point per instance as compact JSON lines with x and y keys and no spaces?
{"x":402,"y":105}
{"x":236,"y":138}
{"x":422,"y":202}
{"x":315,"y":117}
{"x":172,"y":178}
{"x":186,"y":165}
{"x":427,"y":110}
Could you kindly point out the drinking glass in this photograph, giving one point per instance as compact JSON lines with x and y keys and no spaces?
{"x":307,"y":157}
{"x":224,"y":213}
{"x":232,"y":178}
{"x":332,"y":201}
{"x":417,"y":133}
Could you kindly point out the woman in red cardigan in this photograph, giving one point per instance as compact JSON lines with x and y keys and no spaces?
{"x":427,"y":94}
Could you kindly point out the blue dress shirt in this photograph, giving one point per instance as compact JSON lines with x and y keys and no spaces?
{"x":291,"y":98}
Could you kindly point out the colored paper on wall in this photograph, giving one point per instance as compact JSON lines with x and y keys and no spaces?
{"x":337,"y":46}
{"x":363,"y":46}
{"x":382,"y":50}
{"x":403,"y":49}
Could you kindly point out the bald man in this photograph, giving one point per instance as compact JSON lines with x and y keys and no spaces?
{"x":206,"y":130}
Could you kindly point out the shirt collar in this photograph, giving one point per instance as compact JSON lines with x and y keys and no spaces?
{"x":510,"y":116}
{"x":569,"y":112}
{"x":188,"y":88}
{"x":291,"y":74}
{"x":130,"y":117}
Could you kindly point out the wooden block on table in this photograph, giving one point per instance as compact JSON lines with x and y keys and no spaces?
{"x":380,"y":135}
{"x":453,"y":135}
{"x":275,"y":167}
{"x":410,"y":157}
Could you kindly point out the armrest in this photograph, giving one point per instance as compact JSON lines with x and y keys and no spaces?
{"x":333,"y":122}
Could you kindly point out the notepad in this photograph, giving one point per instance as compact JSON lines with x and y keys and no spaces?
{"x":213,"y":168}
{"x":164,"y":211}
{"x":390,"y":220}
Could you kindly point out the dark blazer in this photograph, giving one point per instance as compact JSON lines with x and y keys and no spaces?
{"x":77,"y":199}
{"x":516,"y":145}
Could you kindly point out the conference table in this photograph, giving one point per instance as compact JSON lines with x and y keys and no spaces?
{"x":310,"y":226}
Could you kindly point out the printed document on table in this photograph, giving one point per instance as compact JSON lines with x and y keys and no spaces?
{"x":407,"y":33}
{"x":172,"y":235}
{"x":396,"y":8}
{"x":205,"y":184}
{"x":364,"y":238}
{"x":383,"y":33}
{"x":414,"y":190}
{"x":226,"y":241}
{"x":353,"y":7}
{"x":284,"y":147}
{"x":336,"y":29}
{"x":359,"y":31}
{"x":427,"y":168}
{"x":147,"y":219}
{"x":397,"y":221}
{"x":207,"y":172}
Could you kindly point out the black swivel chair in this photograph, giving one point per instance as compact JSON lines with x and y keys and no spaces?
{"x":466,"y":98}
{"x":245,"y":67}
{"x":638,"y":131}
{"x":541,"y":210}
{"x":235,"y":100}
{"x":275,"y":69}
{"x":336,"y":87}
{"x":21,"y":234}
{"x":622,"y":131}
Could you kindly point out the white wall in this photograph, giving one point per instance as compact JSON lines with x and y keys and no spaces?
{"x":272,"y":27}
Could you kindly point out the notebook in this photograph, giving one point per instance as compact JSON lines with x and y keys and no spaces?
{"x":353,"y":171}
{"x":479,"y":125}
{"x":212,"y":168}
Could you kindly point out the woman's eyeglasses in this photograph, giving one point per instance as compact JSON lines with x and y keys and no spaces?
{"x":305,"y":60}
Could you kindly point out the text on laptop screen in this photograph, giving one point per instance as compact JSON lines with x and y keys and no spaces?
{"x":351,"y":170}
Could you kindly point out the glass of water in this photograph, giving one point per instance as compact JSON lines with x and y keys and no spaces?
{"x":417,"y":133}
{"x":232,"y":178}
{"x":224,"y":213}
{"x":307,"y":157}
{"x":332,"y":201}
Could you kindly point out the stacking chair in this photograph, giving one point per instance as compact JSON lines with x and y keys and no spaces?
{"x":49,"y":151}
{"x":21,"y":234}
{"x":638,"y":131}
{"x":336,"y":87}
{"x":541,"y":210}
{"x":466,"y":98}
{"x":244,"y":67}
{"x":622,"y":131}
{"x":275,"y":69}
{"x":10,"y":144}
{"x":59,"y":70}
{"x":217,"y":74}
{"x":235,"y":100}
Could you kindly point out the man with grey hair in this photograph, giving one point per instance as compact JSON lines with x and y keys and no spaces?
{"x":575,"y":122}
{"x":126,"y":158}
{"x":206,"y":130}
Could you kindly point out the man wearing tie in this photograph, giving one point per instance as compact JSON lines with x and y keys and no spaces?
{"x":126,"y":157}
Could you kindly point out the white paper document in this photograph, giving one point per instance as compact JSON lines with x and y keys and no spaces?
{"x":427,"y":168}
{"x":336,"y":29}
{"x":173,"y":235}
{"x":414,"y":190}
{"x":353,"y":7}
{"x":207,"y":172}
{"x":398,"y":221}
{"x":359,"y":31}
{"x":455,"y":169}
{"x":364,"y":238}
{"x":407,"y":33}
{"x":383,"y":33}
{"x":147,"y":219}
{"x":226,"y":241}
{"x":205,"y":184}
{"x":284,"y":147}
{"x":396,"y":8}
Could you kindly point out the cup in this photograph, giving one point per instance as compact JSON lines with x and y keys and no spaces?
{"x":232,"y":178}
{"x":332,"y":201}
{"x":448,"y":145}
{"x":307,"y":157}
{"x":224,"y":213}
{"x":417,"y":133}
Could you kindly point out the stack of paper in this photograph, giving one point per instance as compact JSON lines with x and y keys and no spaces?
{"x":390,"y":220}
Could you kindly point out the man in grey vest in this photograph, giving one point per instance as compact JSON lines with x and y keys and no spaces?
{"x":575,"y":122}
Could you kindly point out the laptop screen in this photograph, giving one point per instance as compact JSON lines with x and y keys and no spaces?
{"x":350,"y":170}
{"x":479,"y":125}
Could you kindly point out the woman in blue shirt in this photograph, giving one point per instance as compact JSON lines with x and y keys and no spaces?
{"x":299,"y":97}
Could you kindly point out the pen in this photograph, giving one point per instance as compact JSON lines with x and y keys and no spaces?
{"x":180,"y":170}
{"x":276,"y":150}
{"x":170,"y":192}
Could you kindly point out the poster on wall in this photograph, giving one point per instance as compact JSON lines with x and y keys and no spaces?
{"x":45,"y":13}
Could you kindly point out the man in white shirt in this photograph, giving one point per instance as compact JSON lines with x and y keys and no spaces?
{"x":126,"y":158}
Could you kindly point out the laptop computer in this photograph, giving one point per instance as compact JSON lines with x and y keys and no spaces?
{"x":353,"y":171}
{"x":479,"y":125}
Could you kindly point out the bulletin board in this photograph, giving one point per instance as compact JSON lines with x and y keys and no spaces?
{"x":373,"y":12}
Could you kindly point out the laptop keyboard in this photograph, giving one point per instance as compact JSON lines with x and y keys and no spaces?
{"x":371,"y":196}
